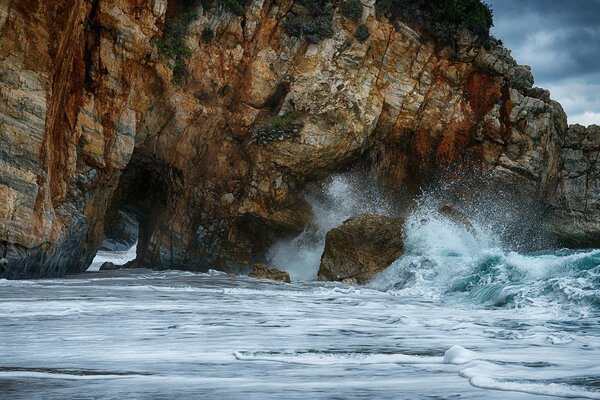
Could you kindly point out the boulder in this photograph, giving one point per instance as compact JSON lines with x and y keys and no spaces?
{"x":108,"y":266}
{"x":360,"y":248}
{"x":261,"y":271}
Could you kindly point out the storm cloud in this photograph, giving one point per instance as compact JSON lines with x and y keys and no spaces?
{"x":560,"y":40}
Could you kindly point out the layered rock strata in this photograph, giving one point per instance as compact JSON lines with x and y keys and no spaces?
{"x":96,"y":118}
{"x":576,"y":219}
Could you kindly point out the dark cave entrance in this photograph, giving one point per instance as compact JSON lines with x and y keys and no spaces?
{"x":141,"y":197}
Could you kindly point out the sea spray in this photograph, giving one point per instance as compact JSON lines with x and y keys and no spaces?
{"x":446,"y":259}
{"x":517,"y":220}
{"x":437,"y":251}
{"x":115,"y":257}
{"x":334,"y":200}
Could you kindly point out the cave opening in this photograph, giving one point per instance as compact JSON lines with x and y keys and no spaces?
{"x":131,"y":217}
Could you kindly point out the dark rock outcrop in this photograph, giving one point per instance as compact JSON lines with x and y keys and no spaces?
{"x":261,"y":271}
{"x":121,"y":233}
{"x":576,"y":219}
{"x":109,"y":266}
{"x":3,"y":265}
{"x":360,"y":248}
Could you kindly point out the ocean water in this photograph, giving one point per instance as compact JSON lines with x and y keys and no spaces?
{"x":459,"y":316}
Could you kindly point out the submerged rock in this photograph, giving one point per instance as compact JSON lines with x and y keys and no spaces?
{"x":261,"y":271}
{"x":350,"y":281}
{"x":109,"y":266}
{"x":360,"y":248}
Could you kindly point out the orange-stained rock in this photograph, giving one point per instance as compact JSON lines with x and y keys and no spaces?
{"x":360,"y":248}
{"x":91,"y":122}
{"x":261,"y":271}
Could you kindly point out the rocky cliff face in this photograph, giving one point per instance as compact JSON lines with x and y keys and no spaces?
{"x":577,"y":215}
{"x":209,"y":150}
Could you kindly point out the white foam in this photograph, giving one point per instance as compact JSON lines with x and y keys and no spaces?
{"x":8,"y":282}
{"x":175,"y":325}
{"x":559,"y":338}
{"x":116,"y":257}
{"x":459,"y":355}
{"x":336,"y":358}
{"x":482,"y":381}
{"x":342,"y":197}
{"x":62,"y":376}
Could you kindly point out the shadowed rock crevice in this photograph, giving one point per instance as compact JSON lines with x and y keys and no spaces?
{"x":121,"y":233}
{"x":141,"y":199}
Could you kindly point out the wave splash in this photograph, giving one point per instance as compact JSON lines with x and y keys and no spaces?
{"x":445,"y":258}
{"x":336,"y":199}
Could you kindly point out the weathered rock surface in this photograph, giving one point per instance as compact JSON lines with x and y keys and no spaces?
{"x":92,"y":122}
{"x":576,"y":219}
{"x":121,"y":233}
{"x":261,"y":271}
{"x":360,"y":248}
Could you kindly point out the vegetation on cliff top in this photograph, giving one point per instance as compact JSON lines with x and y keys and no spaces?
{"x":352,"y":9}
{"x":445,"y":20}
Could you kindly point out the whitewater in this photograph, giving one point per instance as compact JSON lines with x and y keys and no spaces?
{"x":460,"y":315}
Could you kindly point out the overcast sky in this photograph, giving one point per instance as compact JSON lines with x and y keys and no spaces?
{"x":560,"y":40}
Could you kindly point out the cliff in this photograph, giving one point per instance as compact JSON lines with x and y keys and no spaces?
{"x":205,"y":125}
{"x":577,"y":214}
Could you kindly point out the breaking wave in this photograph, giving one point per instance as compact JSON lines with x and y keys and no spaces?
{"x":445,"y":258}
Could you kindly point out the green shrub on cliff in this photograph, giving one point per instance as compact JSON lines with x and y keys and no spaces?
{"x":179,"y":73}
{"x":361,"y":33}
{"x":313,"y":26}
{"x":313,"y":29}
{"x":279,"y":127}
{"x":172,"y":47}
{"x":442,"y":19}
{"x":208,"y":34}
{"x":172,"y":42}
{"x":352,"y":9}
{"x":282,"y":121}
